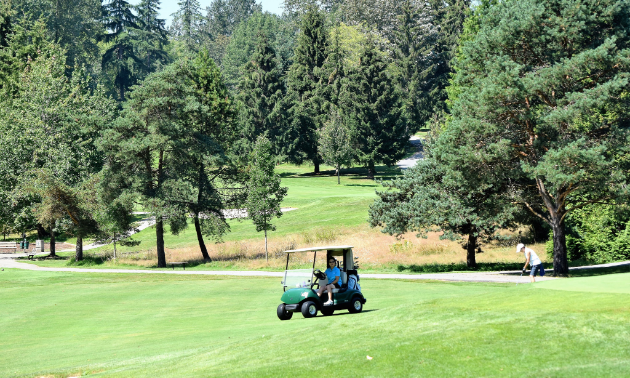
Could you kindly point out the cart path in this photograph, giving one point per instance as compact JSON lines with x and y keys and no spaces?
{"x":411,"y":161}
{"x":466,"y":277}
{"x":499,"y":277}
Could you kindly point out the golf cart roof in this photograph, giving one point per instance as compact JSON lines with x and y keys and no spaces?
{"x":313,"y":249}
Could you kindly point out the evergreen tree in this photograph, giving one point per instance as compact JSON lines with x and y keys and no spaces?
{"x":371,"y":105}
{"x":260,"y":94}
{"x":415,"y":37}
{"x":451,"y":197}
{"x":145,"y":143}
{"x":152,"y":35}
{"x":50,"y":126}
{"x":333,"y":74}
{"x":449,"y":16}
{"x":187,"y":25}
{"x":264,"y":191}
{"x":544,"y":83}
{"x":304,"y":102}
{"x":121,"y":57}
{"x":217,"y":183}
{"x":243,"y":45}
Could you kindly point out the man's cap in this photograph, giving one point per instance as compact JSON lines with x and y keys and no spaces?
{"x":519,"y":247}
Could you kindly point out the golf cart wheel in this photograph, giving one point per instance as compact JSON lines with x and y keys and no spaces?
{"x":356,"y":305}
{"x":309,"y":309}
{"x":327,"y":311}
{"x":283,"y":314}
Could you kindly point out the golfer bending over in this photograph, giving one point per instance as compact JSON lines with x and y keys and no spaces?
{"x":333,"y":274}
{"x":532,"y":259}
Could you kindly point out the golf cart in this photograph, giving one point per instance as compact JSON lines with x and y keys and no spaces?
{"x":300,"y":286}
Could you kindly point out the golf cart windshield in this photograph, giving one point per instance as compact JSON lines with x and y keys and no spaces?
{"x":297,"y":278}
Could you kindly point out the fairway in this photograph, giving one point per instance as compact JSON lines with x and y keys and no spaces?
{"x":612,"y":283}
{"x":110,"y":325}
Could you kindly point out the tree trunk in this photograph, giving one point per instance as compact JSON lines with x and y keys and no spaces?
{"x":159,"y":233}
{"x":338,"y":172}
{"x":316,"y":163}
{"x":41,"y":232}
{"x":560,"y":263}
{"x":202,"y":245}
{"x":266,"y":253}
{"x":471,"y":246}
{"x":371,"y":170}
{"x":53,"y":250}
{"x":78,"y":255}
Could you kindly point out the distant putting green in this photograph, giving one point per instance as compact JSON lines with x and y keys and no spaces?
{"x":613,"y":283}
{"x":147,"y":325}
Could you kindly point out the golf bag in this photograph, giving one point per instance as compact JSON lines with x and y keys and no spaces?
{"x":353,"y":282}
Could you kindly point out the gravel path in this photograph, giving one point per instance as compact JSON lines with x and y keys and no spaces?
{"x":465,"y":277}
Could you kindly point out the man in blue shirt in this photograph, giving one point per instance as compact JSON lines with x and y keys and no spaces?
{"x":333,"y":274}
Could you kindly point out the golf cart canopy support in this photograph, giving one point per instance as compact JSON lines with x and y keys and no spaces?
{"x":336,"y":248}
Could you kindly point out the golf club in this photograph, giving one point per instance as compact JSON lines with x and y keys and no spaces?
{"x":519,"y":278}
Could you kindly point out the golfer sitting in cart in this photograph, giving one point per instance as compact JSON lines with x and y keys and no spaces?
{"x":333,"y":275}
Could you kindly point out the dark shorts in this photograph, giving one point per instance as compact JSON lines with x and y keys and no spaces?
{"x":535,"y":270}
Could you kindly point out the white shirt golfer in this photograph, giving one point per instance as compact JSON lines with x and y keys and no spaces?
{"x":531,"y":258}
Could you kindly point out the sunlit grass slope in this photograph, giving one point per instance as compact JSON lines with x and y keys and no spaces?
{"x":108,"y":325}
{"x":320,"y":203}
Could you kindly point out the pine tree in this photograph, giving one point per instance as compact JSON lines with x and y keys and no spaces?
{"x":217,"y":183}
{"x":304,"y":101}
{"x":371,"y":105}
{"x":544,"y":82}
{"x":121,"y":57}
{"x":260,"y":94}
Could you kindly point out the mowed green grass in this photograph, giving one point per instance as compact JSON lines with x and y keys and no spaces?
{"x":613,"y":283}
{"x":321,"y":203}
{"x":148,"y":325}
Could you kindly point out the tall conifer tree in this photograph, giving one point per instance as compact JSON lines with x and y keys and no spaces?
{"x":305,"y":103}
{"x":121,"y":56}
{"x":372,"y":107}
{"x":260,"y":94}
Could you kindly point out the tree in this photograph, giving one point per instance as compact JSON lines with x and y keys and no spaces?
{"x":265,"y":193}
{"x":73,"y":24}
{"x":545,"y":81}
{"x":225,"y":15}
{"x":49,"y":125}
{"x":303,"y":99}
{"x":187,"y":25}
{"x":372,"y":108}
{"x":335,"y":145}
{"x":148,"y":141}
{"x":243,"y":45}
{"x":152,"y":35}
{"x":121,"y":57}
{"x":449,"y":17}
{"x":217,"y":182}
{"x":260,"y":96}
{"x":414,"y":39}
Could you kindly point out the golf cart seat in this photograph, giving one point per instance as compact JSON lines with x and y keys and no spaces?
{"x":344,"y":283}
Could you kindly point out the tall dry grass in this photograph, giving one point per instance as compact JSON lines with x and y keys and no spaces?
{"x":374,"y":249}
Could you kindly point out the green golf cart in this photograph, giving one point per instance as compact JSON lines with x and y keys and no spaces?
{"x":300,"y":286}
